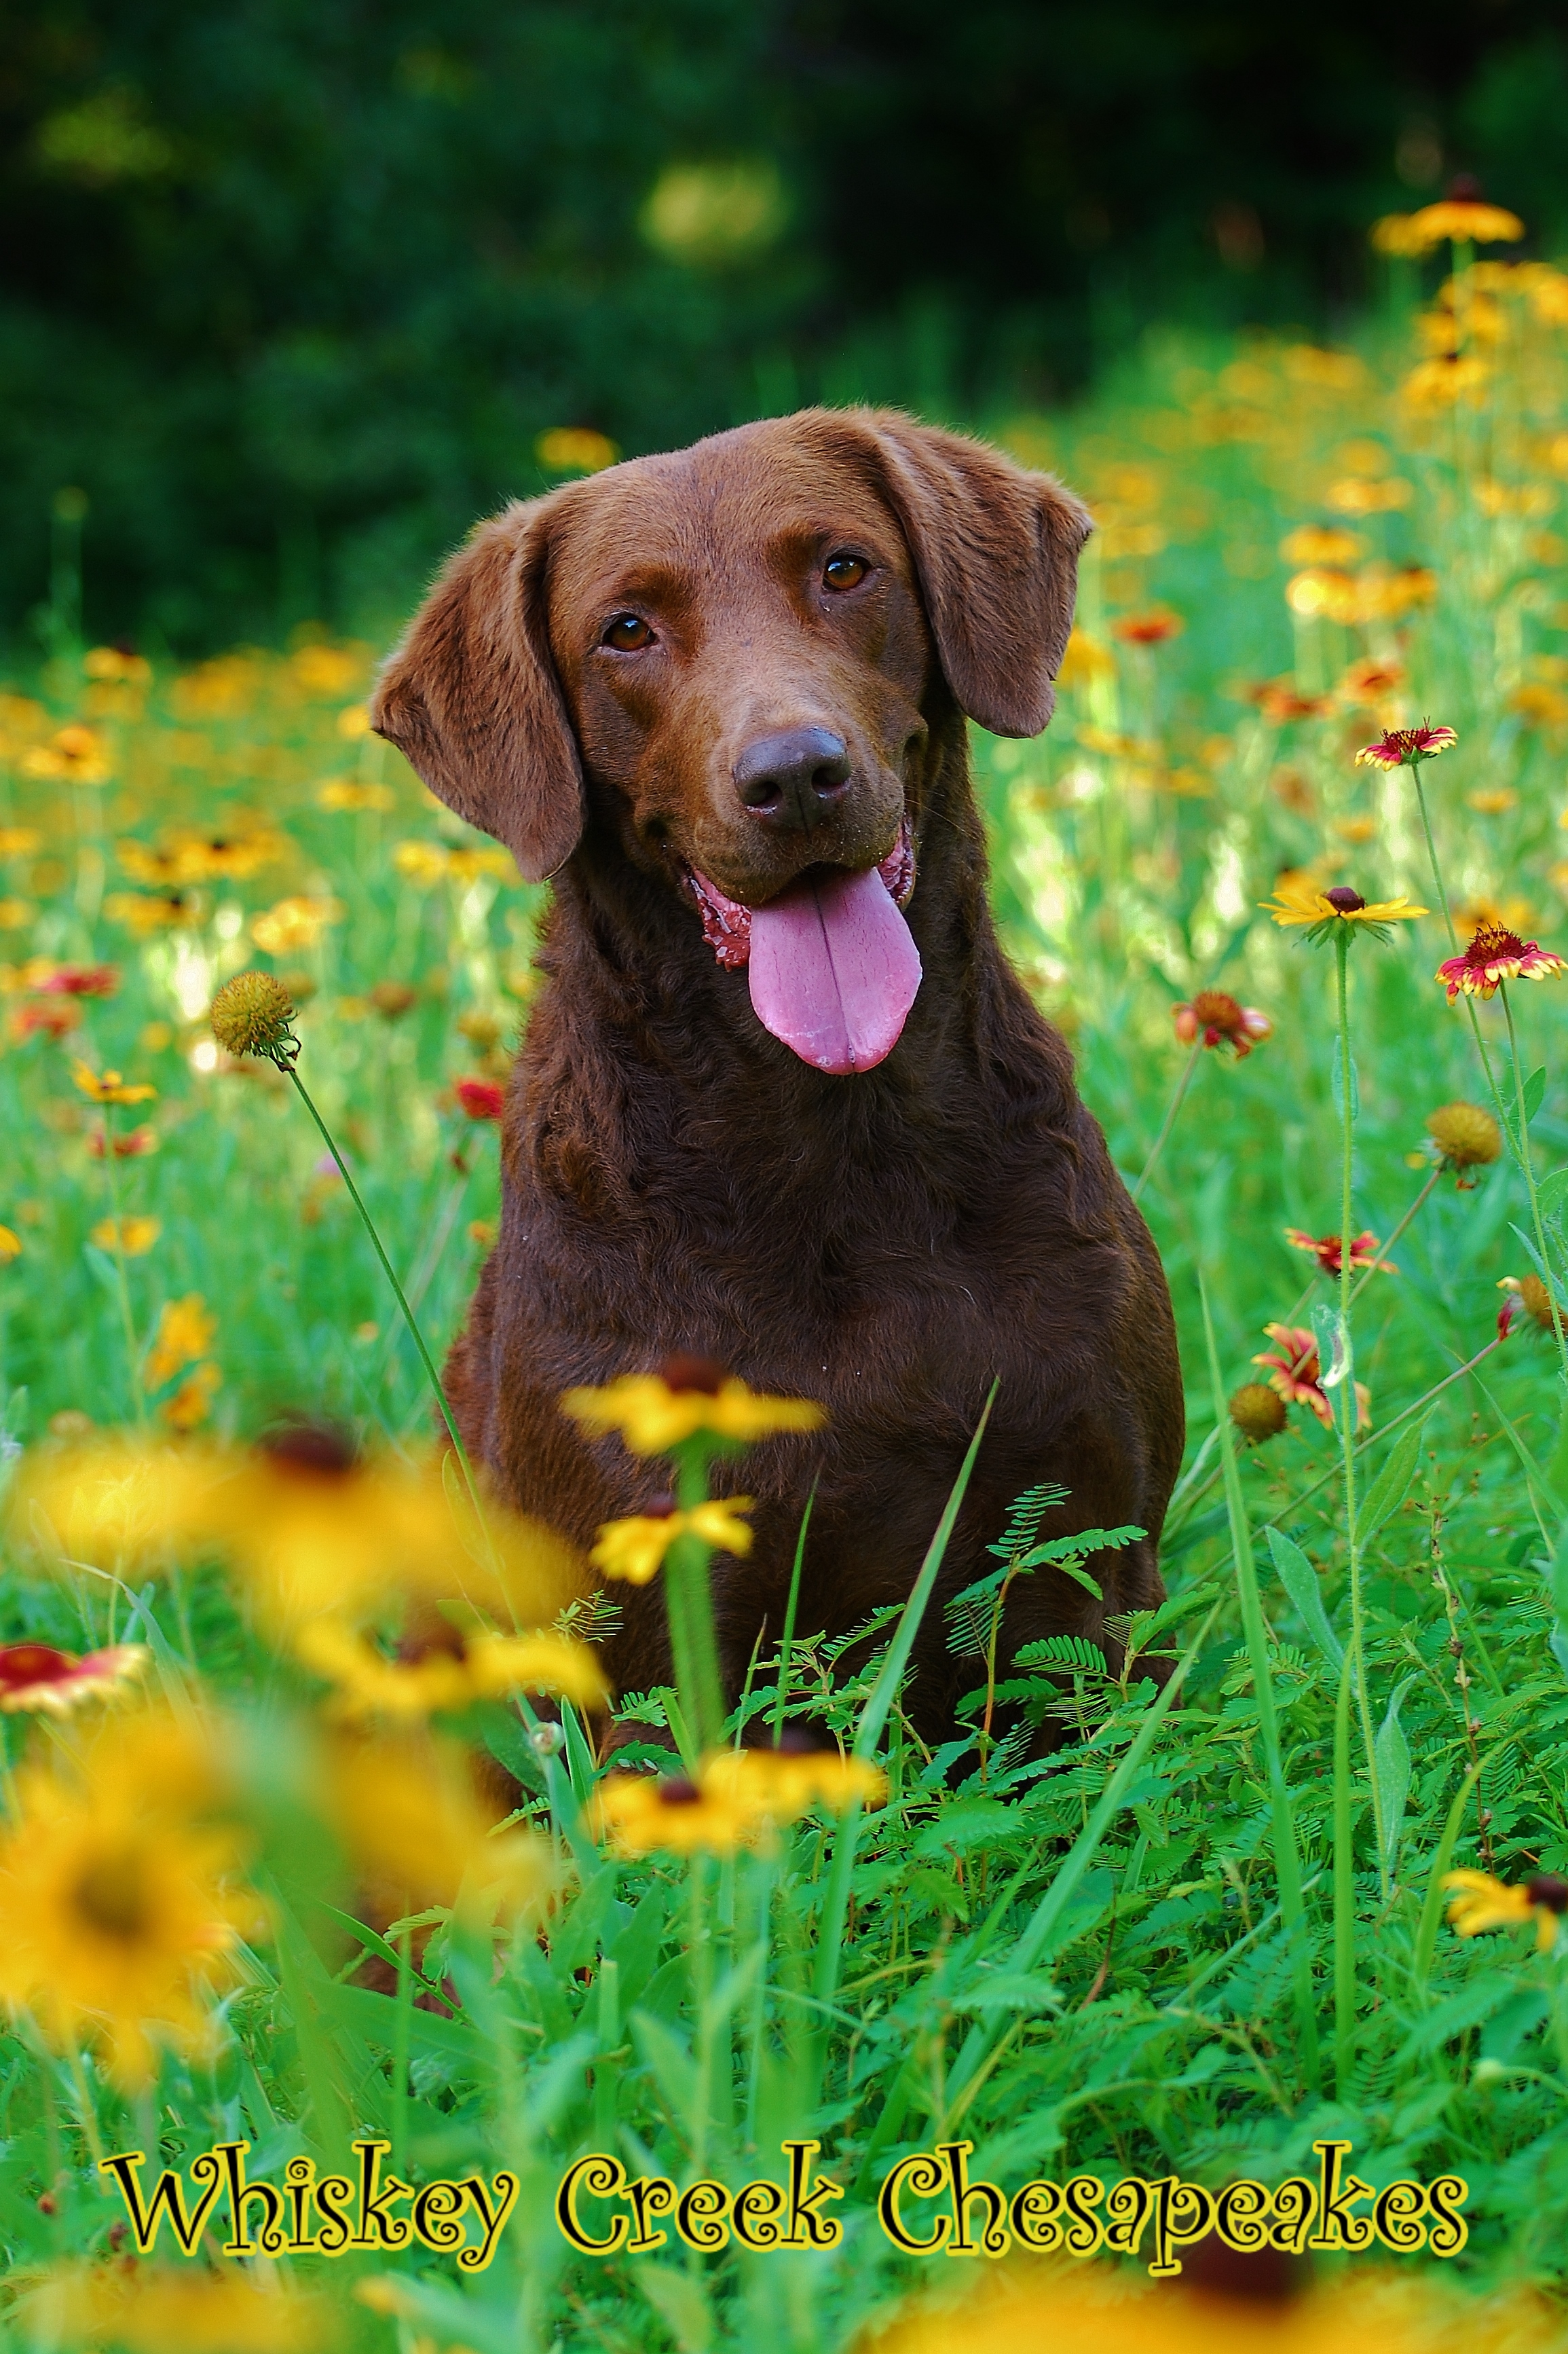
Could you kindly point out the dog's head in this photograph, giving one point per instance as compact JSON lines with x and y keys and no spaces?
{"x":740,"y":645}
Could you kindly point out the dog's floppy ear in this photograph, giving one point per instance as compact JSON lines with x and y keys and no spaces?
{"x":997,"y":552}
{"x":471,"y":701}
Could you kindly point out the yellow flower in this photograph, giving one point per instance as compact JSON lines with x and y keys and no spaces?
{"x":574,"y":449}
{"x":654,"y":1412}
{"x":185,"y":1332}
{"x":1481,"y":1902}
{"x":192,"y":1402}
{"x":150,"y":2308}
{"x":20,"y":841}
{"x":1465,"y":1137}
{"x":119,"y":1914}
{"x":1315,"y":544}
{"x":444,"y":1668}
{"x":353,"y":721}
{"x":162,"y":911}
{"x":10,"y":1244}
{"x":294,"y":924}
{"x":634,"y":1549}
{"x":73,"y":753}
{"x":1462,"y":221}
{"x":252,"y":1014}
{"x":111,"y":664}
{"x":1086,"y":660}
{"x":327,"y":670}
{"x":15,"y":915}
{"x":415,"y":1835}
{"x":114,"y":1501}
{"x":343,"y":793}
{"x":107,"y":1087}
{"x":736,"y":1799}
{"x":1298,"y":901}
{"x":134,"y":1238}
{"x":421,"y":862}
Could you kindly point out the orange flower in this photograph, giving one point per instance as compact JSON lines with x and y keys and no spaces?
{"x":1149,"y":629}
{"x":1494,"y":956}
{"x":82,"y":980}
{"x":46,"y":1018}
{"x":1326,"y":1250}
{"x":1293,"y":1370}
{"x":1370,"y":682}
{"x":1218,"y":1018}
{"x":129,"y":1147}
{"x":1279,"y":700}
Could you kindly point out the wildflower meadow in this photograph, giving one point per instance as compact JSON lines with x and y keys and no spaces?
{"x":321,"y":1904}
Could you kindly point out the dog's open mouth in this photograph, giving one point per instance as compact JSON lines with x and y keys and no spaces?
{"x":833,"y":968}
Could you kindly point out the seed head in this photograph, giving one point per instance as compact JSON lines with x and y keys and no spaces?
{"x":1466,"y":1136}
{"x":1257,"y":1411}
{"x":251,"y":1014}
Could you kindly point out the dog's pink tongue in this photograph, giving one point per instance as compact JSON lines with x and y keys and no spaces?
{"x":833,"y":970}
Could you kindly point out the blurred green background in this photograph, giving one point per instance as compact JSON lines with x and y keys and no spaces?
{"x":290,"y":291}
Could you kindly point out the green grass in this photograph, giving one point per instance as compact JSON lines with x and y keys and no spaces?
{"x":1177,"y":1951}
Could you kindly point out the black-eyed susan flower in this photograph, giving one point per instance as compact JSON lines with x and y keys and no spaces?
{"x":1328,"y":1250}
{"x":798,"y":1773}
{"x":1298,"y":900}
{"x":121,"y":1918}
{"x":1458,"y":220}
{"x":1480,"y":1903}
{"x":1295,"y":1372}
{"x":634,"y":1549}
{"x":1464,"y":1137}
{"x":108,"y":1087}
{"x":1219,"y":1019}
{"x":643,"y":1813}
{"x":1257,"y":1411}
{"x":1495,"y":955}
{"x":1406,"y":748}
{"x":132,"y":1237}
{"x":444,"y":1668}
{"x":654,"y":1412}
{"x":253,"y":1014}
{"x":36,"y":1678}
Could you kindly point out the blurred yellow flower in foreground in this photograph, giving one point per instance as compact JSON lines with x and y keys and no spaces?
{"x":120,"y":1916}
{"x":314,"y":1529}
{"x":153,"y":2309}
{"x":344,"y":794}
{"x":444,"y":1666}
{"x":1479,"y":1903}
{"x":634,"y":1549}
{"x":654,"y":1412}
{"x":1254,"y":2307}
{"x":132,"y":1236}
{"x":10,"y":1244}
{"x":414,"y":1834}
{"x":107,"y":1087}
{"x":1086,"y":660}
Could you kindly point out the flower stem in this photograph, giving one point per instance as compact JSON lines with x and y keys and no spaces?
{"x":1410,"y":1214}
{"x":1529,"y":1175}
{"x":1171,"y":1109}
{"x":1346,"y":1403}
{"x":691,"y":1604}
{"x":425,"y":1358}
{"x":122,"y":1280}
{"x":1344,"y":1894}
{"x":1454,"y":943}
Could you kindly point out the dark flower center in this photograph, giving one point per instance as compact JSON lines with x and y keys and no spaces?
{"x":321,"y":1449}
{"x":1492,"y":941}
{"x":1547,"y":1889}
{"x":1217,"y":1010}
{"x":1343,"y":900}
{"x":676,"y":1791}
{"x":111,"y":1897}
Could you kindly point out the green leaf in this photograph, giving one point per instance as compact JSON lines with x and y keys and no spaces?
{"x":1390,"y":1755}
{"x":1534,"y":1092}
{"x":1390,"y":1486}
{"x":1299,"y":1580}
{"x":1063,"y":1651}
{"x":1550,"y":1192}
{"x":1062,"y":1550}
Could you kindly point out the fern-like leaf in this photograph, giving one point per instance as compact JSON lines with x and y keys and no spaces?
{"x":1024,"y":1515}
{"x":1074,"y":1651}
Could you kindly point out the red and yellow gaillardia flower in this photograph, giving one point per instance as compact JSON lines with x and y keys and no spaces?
{"x":1326,"y":1249}
{"x":1495,"y":955}
{"x":1293,"y":1369}
{"x":37,"y":1679}
{"x":1219,"y":1019}
{"x":1406,"y":748}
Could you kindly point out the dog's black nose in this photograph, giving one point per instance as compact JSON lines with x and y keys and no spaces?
{"x":789,"y":780}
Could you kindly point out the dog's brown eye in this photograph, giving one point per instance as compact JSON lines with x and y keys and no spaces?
{"x":845,"y":572}
{"x":628,"y":634}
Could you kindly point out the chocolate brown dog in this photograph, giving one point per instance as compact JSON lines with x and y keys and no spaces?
{"x":782,"y":1101}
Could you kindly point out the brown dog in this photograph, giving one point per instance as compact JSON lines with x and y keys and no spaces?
{"x":762,"y":1114}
